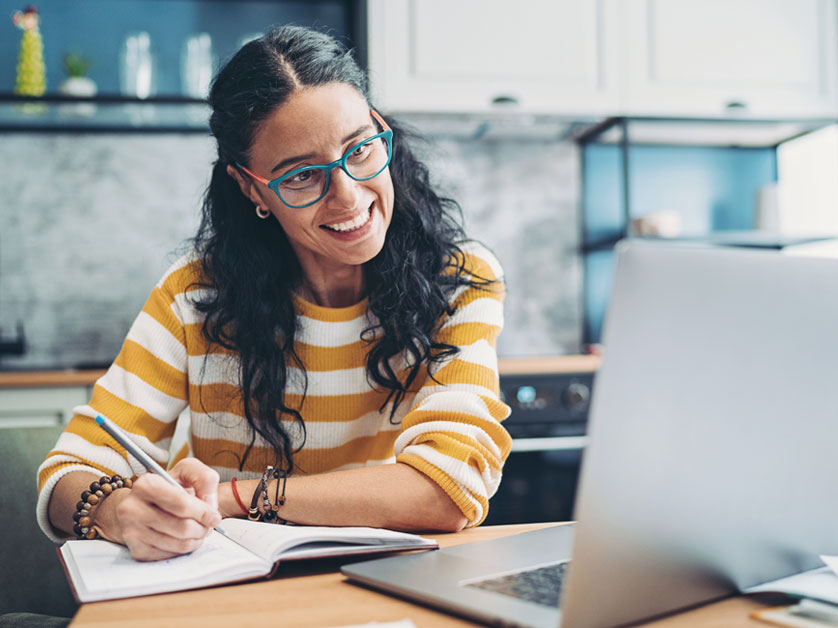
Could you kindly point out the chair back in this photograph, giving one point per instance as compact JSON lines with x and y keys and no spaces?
{"x":32,"y":579}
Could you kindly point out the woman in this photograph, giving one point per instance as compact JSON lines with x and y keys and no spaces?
{"x":328,"y":324}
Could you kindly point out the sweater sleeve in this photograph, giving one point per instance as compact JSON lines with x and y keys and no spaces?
{"x":453,"y":431}
{"x":143,"y":391}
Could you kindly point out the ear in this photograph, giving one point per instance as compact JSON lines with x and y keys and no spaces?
{"x":245,"y":185}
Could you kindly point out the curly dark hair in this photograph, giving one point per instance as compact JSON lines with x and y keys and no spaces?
{"x":251,"y":269}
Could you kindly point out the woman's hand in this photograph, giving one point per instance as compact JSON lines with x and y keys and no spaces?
{"x":156,"y":520}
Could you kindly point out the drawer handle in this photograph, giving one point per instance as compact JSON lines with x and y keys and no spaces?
{"x":736,"y":106}
{"x":504,"y":100}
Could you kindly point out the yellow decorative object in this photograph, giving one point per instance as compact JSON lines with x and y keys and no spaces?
{"x":31,"y":71}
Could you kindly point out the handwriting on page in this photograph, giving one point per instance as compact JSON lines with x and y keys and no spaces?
{"x":111,"y":566}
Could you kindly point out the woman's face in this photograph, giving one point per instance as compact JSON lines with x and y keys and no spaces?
{"x":316,"y":126}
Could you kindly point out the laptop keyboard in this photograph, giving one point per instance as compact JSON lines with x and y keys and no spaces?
{"x":541,"y":585}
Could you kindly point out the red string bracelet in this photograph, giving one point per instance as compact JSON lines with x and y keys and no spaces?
{"x":236,"y":496}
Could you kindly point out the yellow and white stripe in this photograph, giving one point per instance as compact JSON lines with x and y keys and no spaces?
{"x":448,"y":426}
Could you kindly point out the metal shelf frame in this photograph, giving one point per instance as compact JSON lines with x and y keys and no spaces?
{"x":627,"y":132}
{"x":57,"y":113}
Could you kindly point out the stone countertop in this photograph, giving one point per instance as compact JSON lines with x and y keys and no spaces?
{"x":507,"y":366}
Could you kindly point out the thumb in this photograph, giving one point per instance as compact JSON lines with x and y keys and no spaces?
{"x":203,"y":482}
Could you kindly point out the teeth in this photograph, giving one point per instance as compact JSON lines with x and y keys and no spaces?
{"x":353,"y":224}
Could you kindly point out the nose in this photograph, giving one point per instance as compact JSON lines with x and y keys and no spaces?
{"x":343,"y":190}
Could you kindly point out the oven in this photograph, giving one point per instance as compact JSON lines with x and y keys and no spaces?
{"x":548,"y":424}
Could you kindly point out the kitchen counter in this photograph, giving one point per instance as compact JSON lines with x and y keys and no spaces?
{"x":507,"y":366}
{"x":547,"y":365}
{"x":49,"y":379}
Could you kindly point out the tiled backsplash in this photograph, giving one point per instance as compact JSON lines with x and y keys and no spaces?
{"x":90,"y":222}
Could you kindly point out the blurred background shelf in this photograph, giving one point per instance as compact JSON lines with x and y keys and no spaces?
{"x":748,"y":239}
{"x":732,"y":131}
{"x":55,"y":113}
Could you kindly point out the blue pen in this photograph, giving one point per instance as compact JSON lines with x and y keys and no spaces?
{"x":147,"y":461}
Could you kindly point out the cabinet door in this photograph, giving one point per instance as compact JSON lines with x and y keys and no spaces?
{"x":39,"y":407}
{"x":539,"y":56}
{"x":761,"y":58}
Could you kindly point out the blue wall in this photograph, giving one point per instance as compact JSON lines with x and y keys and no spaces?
{"x":97,"y":28}
{"x":712,"y":188}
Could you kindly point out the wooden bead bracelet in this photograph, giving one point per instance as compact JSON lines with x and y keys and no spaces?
{"x":83,"y":524}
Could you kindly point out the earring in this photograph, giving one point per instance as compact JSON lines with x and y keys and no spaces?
{"x":262,"y":213}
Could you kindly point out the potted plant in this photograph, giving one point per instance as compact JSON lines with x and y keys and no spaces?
{"x":77,"y":84}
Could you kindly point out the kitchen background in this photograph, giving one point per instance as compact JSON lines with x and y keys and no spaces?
{"x":560,"y":126}
{"x":90,"y":220}
{"x":79,"y":254}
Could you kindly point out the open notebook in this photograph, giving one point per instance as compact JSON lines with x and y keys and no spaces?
{"x":101,"y":570}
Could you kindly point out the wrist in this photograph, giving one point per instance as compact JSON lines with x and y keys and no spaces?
{"x":106,"y":517}
{"x":227,"y":504}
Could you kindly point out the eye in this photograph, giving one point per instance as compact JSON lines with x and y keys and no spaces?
{"x":303,"y":179}
{"x":300,"y":177}
{"x":362,"y":153}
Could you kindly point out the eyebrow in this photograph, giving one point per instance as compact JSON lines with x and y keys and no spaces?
{"x":285,"y":162}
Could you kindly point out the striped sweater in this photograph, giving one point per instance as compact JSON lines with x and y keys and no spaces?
{"x":447,"y":427}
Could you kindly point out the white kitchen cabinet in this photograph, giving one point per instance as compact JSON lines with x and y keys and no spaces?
{"x":759,"y":58}
{"x":40,"y":406}
{"x":672,"y":58}
{"x":534,"y":56}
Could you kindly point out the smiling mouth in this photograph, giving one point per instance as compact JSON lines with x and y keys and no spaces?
{"x":351,"y":225}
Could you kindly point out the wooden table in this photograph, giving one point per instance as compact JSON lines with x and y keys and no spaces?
{"x":315,"y":595}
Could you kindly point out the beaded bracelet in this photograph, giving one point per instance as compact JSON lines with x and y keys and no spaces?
{"x":268,"y":514}
{"x":83,"y":524}
{"x":269,"y":511}
{"x":254,"y":514}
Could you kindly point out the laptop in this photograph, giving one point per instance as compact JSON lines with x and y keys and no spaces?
{"x":711,"y":462}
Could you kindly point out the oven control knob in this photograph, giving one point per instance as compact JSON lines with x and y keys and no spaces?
{"x":576,"y":395}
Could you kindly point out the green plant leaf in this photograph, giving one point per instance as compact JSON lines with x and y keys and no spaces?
{"x":75,"y":64}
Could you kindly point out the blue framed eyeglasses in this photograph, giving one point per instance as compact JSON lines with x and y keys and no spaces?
{"x":307,"y":185}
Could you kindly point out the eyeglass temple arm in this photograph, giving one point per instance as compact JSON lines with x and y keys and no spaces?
{"x":253,"y":174}
{"x":265,"y":181}
{"x":380,"y":120}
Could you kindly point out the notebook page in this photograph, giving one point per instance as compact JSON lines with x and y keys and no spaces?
{"x":820,"y":583}
{"x":104,"y":570}
{"x":271,"y":540}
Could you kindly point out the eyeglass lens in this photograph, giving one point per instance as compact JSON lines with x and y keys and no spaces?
{"x":365,"y":161}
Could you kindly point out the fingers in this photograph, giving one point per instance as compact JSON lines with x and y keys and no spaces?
{"x":160,"y":548}
{"x":175,"y":527}
{"x":159,"y":520}
{"x":192,"y":473}
{"x":153,"y":534}
{"x":155,"y":490}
